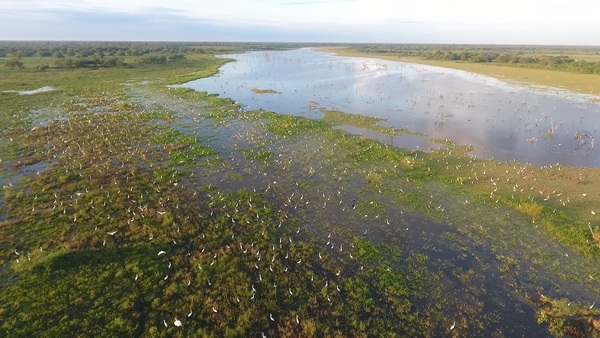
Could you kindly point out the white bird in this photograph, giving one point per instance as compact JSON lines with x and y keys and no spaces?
{"x":271,"y":317}
{"x":166,"y":276}
{"x":112,"y":233}
{"x":297,"y":320}
{"x":136,"y":277}
{"x":177,"y":322}
{"x":165,"y":322}
{"x":161,"y":252}
{"x":453,"y":325}
{"x":214,"y":310}
{"x":592,"y":306}
{"x":161,"y":212}
{"x":190,"y":314}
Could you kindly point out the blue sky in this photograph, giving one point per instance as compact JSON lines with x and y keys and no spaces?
{"x":573,"y":22}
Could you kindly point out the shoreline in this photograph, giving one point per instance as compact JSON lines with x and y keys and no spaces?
{"x":527,"y":77}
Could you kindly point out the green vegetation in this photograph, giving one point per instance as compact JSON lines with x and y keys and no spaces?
{"x":571,"y":68}
{"x":551,"y":57}
{"x":264,"y":91}
{"x":130,"y":208}
{"x":338,"y":118}
{"x":565,"y":319}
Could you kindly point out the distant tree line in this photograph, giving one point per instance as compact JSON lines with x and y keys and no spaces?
{"x":522,"y":56}
{"x":83,"y":49}
{"x":94,"y":54}
{"x":83,"y":54}
{"x":558,"y":62}
{"x":93,"y":62}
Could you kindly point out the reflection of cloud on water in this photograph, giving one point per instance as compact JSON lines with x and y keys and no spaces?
{"x":494,"y":116}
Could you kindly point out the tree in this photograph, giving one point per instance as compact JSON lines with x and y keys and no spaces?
{"x":176,"y":57}
{"x":12,"y":63}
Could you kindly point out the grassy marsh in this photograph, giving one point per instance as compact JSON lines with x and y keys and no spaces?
{"x":134,"y":207}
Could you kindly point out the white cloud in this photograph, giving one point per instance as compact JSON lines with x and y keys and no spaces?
{"x":464,"y":21}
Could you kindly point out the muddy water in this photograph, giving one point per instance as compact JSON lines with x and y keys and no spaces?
{"x":541,"y":126}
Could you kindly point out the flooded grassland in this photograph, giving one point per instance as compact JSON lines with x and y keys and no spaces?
{"x":153,"y":210}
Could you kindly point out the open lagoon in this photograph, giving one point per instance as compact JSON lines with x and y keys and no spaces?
{"x":542,"y":126}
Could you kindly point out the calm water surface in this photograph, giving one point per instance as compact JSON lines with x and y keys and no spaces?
{"x":541,"y":126}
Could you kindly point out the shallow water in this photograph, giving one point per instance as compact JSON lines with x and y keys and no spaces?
{"x":541,"y":126}
{"x":458,"y":247}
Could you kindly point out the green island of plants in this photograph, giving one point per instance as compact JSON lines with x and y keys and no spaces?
{"x":264,"y":91}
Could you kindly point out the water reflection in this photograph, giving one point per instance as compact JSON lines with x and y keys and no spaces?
{"x":503,"y":121}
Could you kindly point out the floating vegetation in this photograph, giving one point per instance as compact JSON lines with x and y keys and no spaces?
{"x":150,"y":211}
{"x":338,"y":118}
{"x":264,"y":91}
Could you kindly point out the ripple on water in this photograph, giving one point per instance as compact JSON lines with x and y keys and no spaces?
{"x":501,"y":120}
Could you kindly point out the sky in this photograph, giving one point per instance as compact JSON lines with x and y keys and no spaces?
{"x":539,"y":22}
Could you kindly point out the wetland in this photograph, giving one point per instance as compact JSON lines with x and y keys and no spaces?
{"x":505,"y":121}
{"x":293,"y":193}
